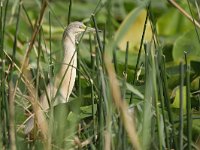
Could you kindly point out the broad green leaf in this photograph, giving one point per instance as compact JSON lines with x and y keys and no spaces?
{"x":85,"y":111}
{"x":196,"y":127}
{"x":132,"y":28}
{"x":172,"y":23}
{"x":176,"y":95}
{"x":134,"y":90}
{"x":187,"y":43}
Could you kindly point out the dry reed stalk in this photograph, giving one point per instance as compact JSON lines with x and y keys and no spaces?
{"x":184,"y":13}
{"x":121,"y":105}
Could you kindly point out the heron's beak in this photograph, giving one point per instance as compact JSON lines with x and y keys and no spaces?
{"x":89,"y":29}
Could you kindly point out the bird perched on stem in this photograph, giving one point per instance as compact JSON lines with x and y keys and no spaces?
{"x":62,"y":87}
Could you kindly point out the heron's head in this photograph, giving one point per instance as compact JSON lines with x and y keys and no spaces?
{"x":76,"y":28}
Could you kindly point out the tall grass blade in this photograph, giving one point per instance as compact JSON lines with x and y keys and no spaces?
{"x":188,"y":105}
{"x":3,"y":98}
{"x":140,"y":51}
{"x":161,"y":94}
{"x":93,"y":55}
{"x":27,"y":15}
{"x":147,"y":107}
{"x":69,"y":12}
{"x":181,"y":106}
{"x":155,"y":101}
{"x":11,"y":131}
{"x":115,"y":60}
{"x":172,"y":133}
{"x":122,"y":133}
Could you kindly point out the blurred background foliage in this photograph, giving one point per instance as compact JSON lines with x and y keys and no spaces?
{"x":120,"y":21}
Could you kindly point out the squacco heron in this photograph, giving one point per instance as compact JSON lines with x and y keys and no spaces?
{"x":65,"y":79}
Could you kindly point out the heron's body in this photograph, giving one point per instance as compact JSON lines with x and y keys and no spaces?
{"x":65,"y":79}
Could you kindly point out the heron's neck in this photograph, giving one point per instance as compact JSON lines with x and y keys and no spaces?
{"x":69,"y":46}
{"x":66,"y":75}
{"x":68,"y":69}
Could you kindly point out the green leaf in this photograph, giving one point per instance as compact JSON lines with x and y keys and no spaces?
{"x":196,"y":127}
{"x":176,"y":95}
{"x":86,"y":111}
{"x":173,"y":23}
{"x":134,"y":90}
{"x":125,"y":28}
{"x":187,"y":43}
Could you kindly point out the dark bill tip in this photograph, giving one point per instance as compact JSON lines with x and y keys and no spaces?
{"x":89,"y":29}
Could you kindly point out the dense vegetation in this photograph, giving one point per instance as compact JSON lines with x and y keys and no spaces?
{"x":138,"y":80}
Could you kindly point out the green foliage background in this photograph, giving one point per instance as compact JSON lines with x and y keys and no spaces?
{"x":149,"y":77}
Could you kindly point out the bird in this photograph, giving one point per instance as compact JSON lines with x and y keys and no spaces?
{"x":65,"y":79}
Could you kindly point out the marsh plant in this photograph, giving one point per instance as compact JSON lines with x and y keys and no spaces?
{"x":137,"y":76}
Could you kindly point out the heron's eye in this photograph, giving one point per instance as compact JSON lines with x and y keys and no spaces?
{"x":81,"y":27}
